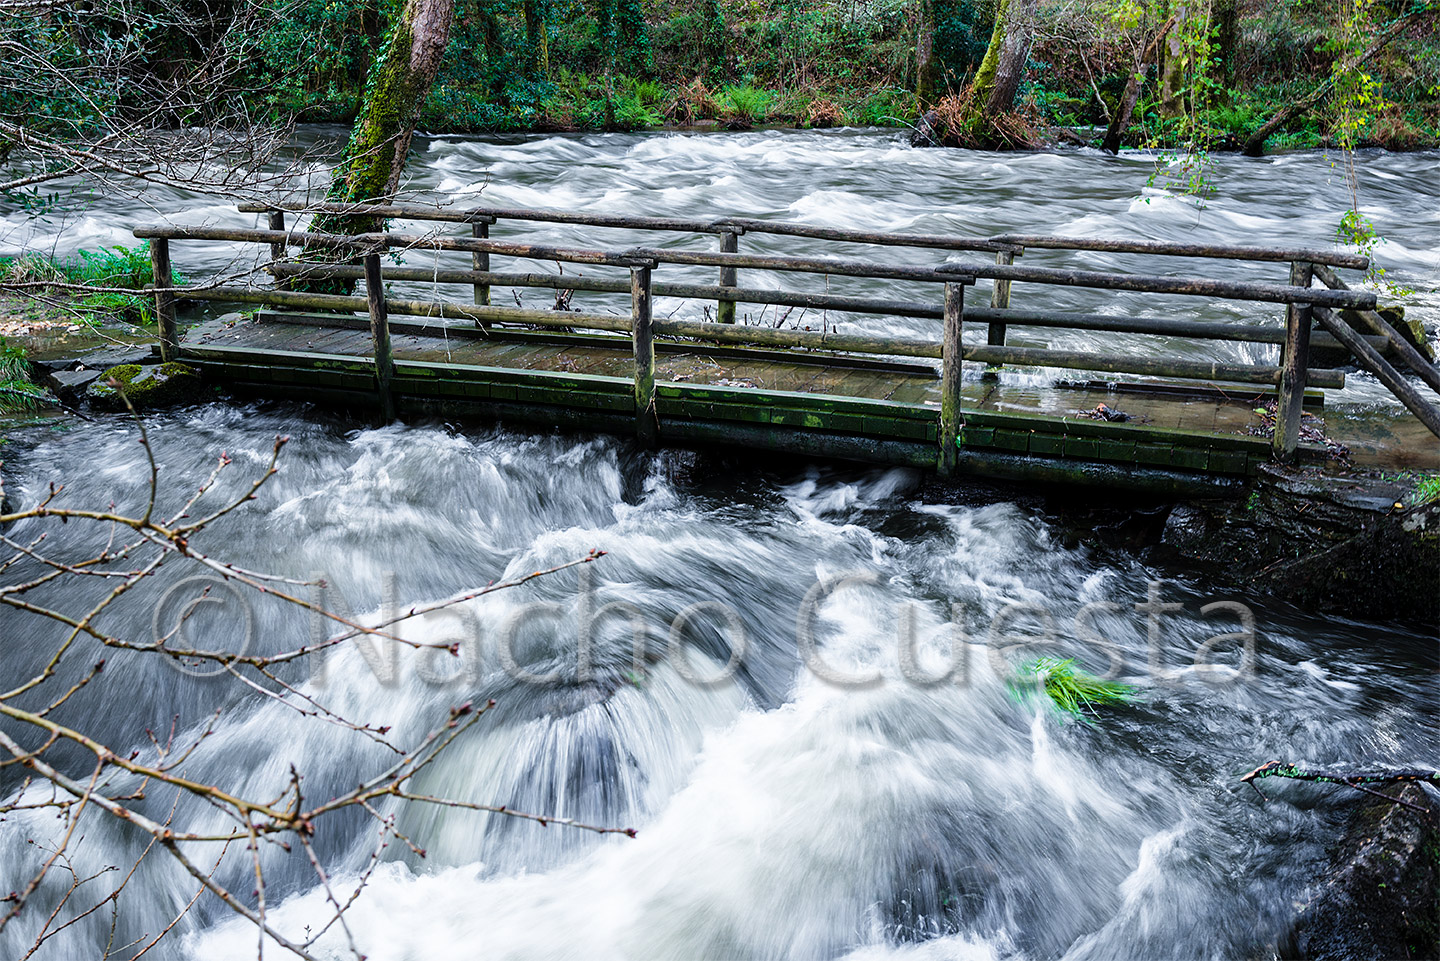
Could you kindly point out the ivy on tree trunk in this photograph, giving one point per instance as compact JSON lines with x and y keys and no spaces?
{"x":1000,"y":73}
{"x":395,"y":93}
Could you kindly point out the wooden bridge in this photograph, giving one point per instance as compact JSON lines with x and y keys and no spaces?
{"x":860,"y":396}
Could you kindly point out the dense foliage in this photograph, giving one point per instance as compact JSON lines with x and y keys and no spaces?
{"x":1211,"y":73}
{"x":623,"y":64}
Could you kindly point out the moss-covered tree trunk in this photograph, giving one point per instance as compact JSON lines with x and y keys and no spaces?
{"x":1174,"y":62}
{"x":395,"y":93}
{"x":537,"y":45}
{"x":927,"y":70}
{"x":1000,"y":73}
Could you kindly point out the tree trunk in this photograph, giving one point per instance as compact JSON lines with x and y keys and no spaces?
{"x":1000,"y":73}
{"x":1226,"y":15}
{"x":926,"y":69}
{"x":394,"y":96}
{"x":1120,"y":122}
{"x":1173,"y":62}
{"x":1125,"y":113}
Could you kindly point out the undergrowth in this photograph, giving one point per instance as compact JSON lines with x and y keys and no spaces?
{"x":18,"y":394}
{"x":110,"y":267}
{"x":1427,"y":488}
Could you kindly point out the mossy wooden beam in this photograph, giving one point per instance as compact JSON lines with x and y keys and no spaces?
{"x":1155,"y":284}
{"x":1156,"y":326}
{"x":1312,"y":255}
{"x":643,"y":337}
{"x":420,"y":308}
{"x":952,"y":355}
{"x":1379,"y":325}
{"x":724,"y":294}
{"x":380,"y":336}
{"x":1370,"y":359}
{"x":729,"y":277}
{"x":164,"y":298}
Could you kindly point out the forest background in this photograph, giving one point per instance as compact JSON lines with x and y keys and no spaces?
{"x":1211,"y":73}
{"x":1208,"y":74}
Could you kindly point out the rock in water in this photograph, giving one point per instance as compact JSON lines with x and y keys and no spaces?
{"x":146,"y":386}
{"x":926,"y":132}
{"x":1382,"y":897}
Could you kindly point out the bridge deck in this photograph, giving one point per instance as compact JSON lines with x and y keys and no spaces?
{"x":861,"y":408}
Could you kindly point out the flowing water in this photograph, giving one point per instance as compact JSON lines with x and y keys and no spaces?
{"x":783,"y":809}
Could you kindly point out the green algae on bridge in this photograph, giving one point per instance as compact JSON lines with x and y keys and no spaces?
{"x":770,"y":399}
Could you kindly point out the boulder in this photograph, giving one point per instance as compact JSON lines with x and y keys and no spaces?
{"x":146,"y":386}
{"x":70,"y":384}
{"x":1381,"y":897}
{"x":926,"y":132}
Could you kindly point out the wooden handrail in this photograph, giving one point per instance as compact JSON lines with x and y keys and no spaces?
{"x":1156,"y":326}
{"x":641,"y":256}
{"x":1002,"y":242}
{"x":1292,"y":375}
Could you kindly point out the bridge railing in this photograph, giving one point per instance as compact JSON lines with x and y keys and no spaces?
{"x":1291,"y":376}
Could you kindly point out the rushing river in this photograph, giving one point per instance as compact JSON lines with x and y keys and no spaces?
{"x":782,"y":810}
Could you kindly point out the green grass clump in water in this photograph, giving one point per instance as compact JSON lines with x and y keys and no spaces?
{"x":1069,"y":688}
{"x":1427,"y":488}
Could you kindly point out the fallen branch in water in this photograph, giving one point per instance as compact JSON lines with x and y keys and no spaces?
{"x":1355,"y":780}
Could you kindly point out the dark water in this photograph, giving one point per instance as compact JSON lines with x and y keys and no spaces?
{"x":780,"y":814}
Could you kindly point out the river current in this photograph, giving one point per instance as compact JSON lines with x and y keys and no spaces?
{"x":861,"y":781}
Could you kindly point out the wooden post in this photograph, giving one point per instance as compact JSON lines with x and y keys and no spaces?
{"x":999,"y":300}
{"x":279,"y":250}
{"x":950,"y":416}
{"x":647,"y":426}
{"x":729,"y":276}
{"x":1294,"y":360}
{"x":275,"y":219}
{"x":164,"y":299}
{"x":480,"y":230}
{"x":380,"y":335}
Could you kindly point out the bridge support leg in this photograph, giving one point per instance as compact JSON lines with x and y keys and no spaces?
{"x":481,"y":261}
{"x":1294,"y":361}
{"x":729,"y":277}
{"x":1000,"y":300}
{"x":951,"y":419}
{"x":279,"y":250}
{"x":164,"y":299}
{"x":647,"y":427}
{"x":380,"y":335}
